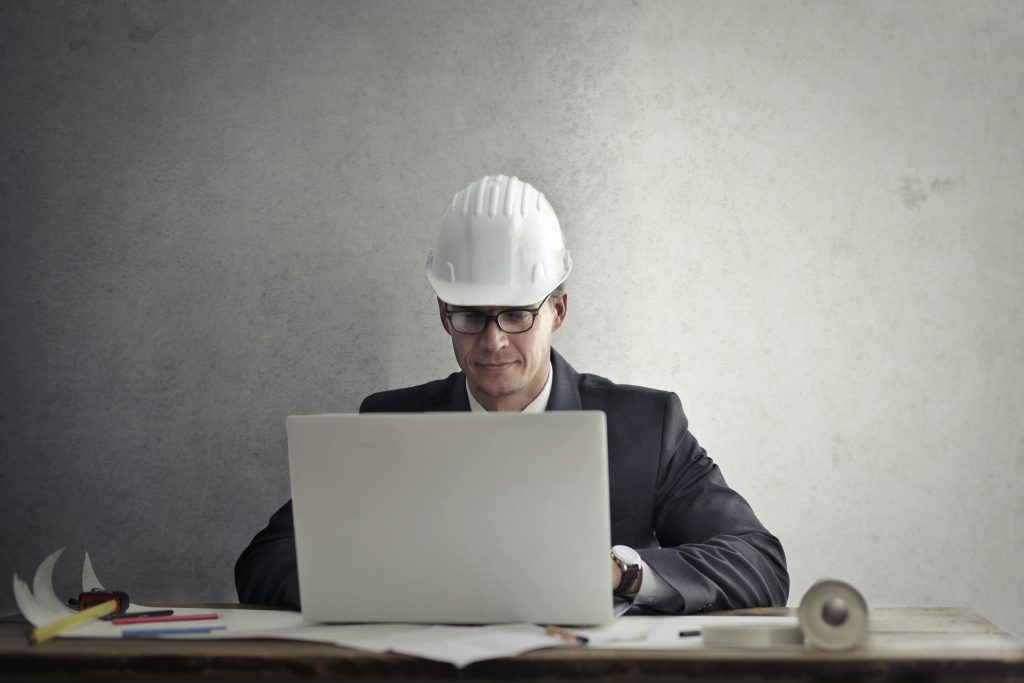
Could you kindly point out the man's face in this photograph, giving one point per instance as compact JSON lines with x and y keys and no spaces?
{"x":507,"y":371}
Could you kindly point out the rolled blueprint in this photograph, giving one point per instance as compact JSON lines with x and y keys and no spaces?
{"x":833,"y":615}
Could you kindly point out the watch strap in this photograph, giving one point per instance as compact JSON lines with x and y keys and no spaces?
{"x":630,"y":573}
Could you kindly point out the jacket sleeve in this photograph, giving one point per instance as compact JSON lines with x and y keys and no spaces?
{"x":266,"y":572}
{"x":713,"y":550}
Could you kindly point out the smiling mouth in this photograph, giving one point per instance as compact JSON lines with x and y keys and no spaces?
{"x":495,"y":367}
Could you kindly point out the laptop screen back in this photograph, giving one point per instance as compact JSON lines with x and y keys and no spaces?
{"x":456,"y":518}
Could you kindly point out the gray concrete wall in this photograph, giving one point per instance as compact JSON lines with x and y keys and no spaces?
{"x":804,"y":217}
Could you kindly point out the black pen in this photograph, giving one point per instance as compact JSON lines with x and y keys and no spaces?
{"x":132,"y":615}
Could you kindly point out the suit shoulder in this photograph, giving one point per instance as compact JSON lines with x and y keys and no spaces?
{"x":603,"y":388}
{"x":432,"y":396}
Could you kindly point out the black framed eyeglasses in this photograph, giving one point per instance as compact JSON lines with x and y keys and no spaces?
{"x":510,"y":321}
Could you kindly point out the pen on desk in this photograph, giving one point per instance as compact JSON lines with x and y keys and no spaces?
{"x":155,"y":632}
{"x":565,"y":634}
{"x":129,"y":619}
{"x":688,"y":634}
{"x":45,"y":633}
{"x":139,"y":615}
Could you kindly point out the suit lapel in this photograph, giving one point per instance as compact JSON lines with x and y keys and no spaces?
{"x":565,"y":392}
{"x":458,"y":400}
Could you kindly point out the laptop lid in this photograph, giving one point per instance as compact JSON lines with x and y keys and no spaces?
{"x":457,"y":518}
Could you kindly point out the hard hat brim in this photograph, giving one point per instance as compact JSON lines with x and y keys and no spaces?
{"x":491,"y":295}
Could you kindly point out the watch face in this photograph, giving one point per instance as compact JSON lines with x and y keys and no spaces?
{"x":626,"y":554}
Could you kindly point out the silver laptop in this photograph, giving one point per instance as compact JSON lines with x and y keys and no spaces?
{"x":454,"y":518}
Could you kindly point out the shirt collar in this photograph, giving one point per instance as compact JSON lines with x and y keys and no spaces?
{"x":537,"y":405}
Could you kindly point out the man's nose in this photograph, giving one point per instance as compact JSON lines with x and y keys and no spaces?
{"x":492,"y":338}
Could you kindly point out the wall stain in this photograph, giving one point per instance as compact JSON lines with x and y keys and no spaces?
{"x":914,"y":193}
{"x":140,"y":34}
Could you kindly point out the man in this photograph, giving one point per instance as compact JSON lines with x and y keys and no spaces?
{"x":684,"y":541}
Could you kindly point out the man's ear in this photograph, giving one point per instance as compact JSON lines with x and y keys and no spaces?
{"x":560,"y":306}
{"x":444,"y":320}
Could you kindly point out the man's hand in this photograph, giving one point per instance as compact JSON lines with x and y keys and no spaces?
{"x":616,"y":575}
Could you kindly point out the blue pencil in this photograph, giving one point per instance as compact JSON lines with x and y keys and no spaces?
{"x":155,"y":632}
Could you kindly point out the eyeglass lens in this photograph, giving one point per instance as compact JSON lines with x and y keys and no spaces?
{"x":472,"y":322}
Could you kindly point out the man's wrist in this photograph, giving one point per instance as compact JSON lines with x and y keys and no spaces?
{"x":631,"y":567}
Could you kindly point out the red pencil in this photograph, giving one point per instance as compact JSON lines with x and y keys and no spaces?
{"x":122,"y":621}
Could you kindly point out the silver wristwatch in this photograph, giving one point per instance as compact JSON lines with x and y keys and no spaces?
{"x":632,"y":572}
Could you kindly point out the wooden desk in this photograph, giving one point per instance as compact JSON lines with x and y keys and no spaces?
{"x":905,"y":645}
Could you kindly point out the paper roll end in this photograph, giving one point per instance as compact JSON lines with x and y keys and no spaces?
{"x":834,"y":616}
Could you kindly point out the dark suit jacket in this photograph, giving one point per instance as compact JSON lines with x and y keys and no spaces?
{"x":668,"y":500}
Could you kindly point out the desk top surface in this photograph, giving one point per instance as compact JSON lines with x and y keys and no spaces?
{"x":904,"y":643}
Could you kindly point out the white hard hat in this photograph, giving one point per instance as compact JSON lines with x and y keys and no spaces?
{"x":499,"y":244}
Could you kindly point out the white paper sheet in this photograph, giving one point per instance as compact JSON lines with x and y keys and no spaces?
{"x":42,"y":586}
{"x":368,"y":637}
{"x":89,"y":580}
{"x":457,"y":645}
{"x":41,"y":605}
{"x":463,"y":645}
{"x":36,"y":614}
